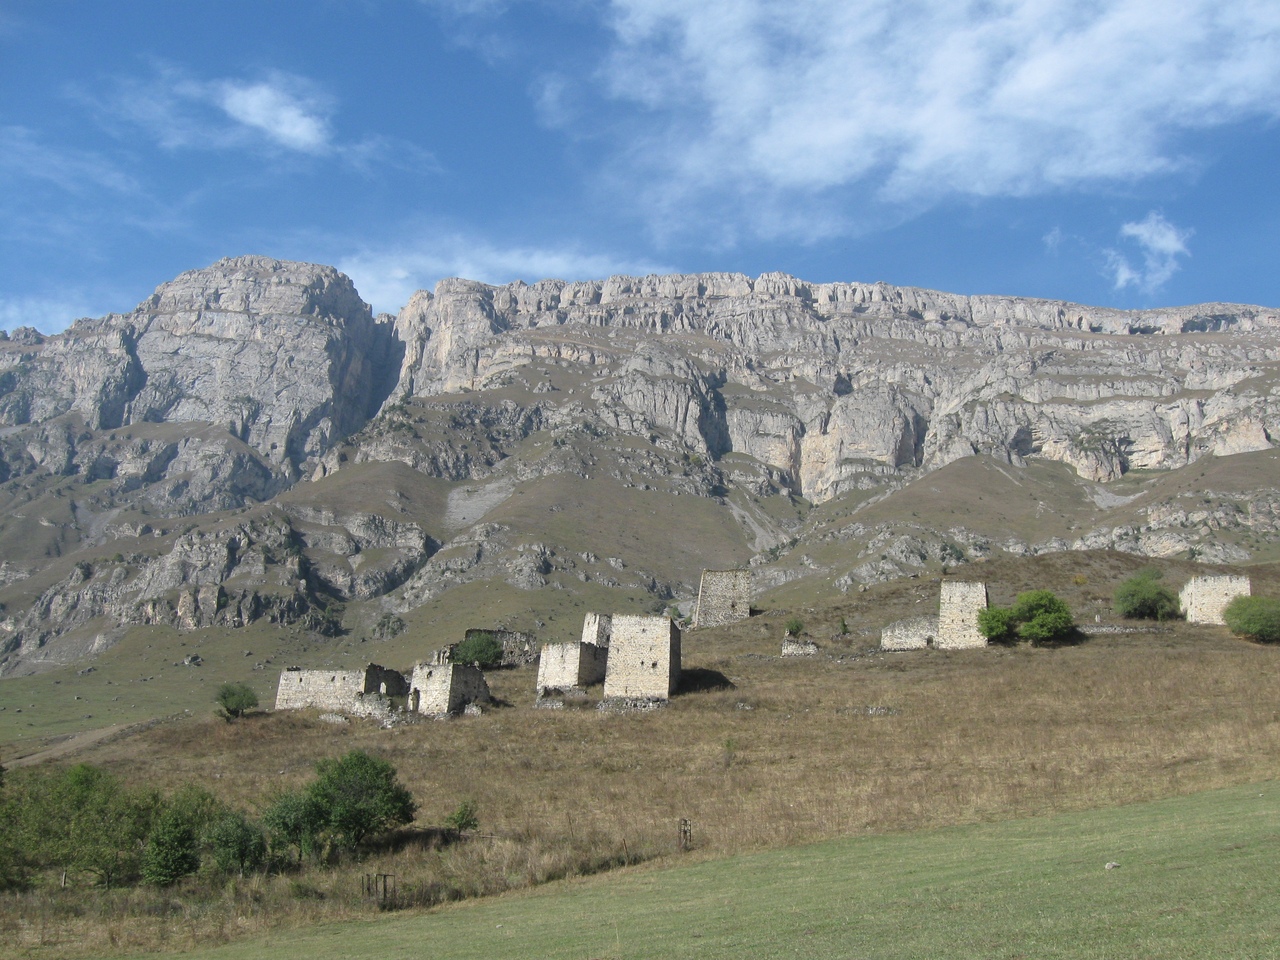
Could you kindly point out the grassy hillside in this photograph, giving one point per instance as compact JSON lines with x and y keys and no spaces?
{"x":1195,"y":879}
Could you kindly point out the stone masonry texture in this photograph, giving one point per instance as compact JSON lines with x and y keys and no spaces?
{"x":1204,"y":598}
{"x":644,"y":658}
{"x":724,"y":596}
{"x":958,"y":610}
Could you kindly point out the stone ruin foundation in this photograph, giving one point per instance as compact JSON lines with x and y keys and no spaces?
{"x":361,"y":693}
{"x":958,"y":609}
{"x":915,"y":633}
{"x":724,"y":596}
{"x":644,"y":658}
{"x":438,"y":690}
{"x":1204,"y":598}
{"x":795,"y":647}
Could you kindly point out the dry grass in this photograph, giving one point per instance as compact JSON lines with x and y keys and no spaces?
{"x":792,"y":752}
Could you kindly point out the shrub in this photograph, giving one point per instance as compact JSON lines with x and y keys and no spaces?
{"x":997,"y":624}
{"x":1257,"y":618}
{"x":1042,"y":616}
{"x":295,"y":820}
{"x":236,"y":699}
{"x":479,"y":647}
{"x":795,"y":626}
{"x":172,"y":850}
{"x":1142,"y":597}
{"x":463,"y":819}
{"x":237,"y":844}
{"x":1036,"y":615}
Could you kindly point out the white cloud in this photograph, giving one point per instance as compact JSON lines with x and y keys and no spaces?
{"x":1161,"y":244}
{"x":770,"y":110}
{"x":386,"y":277}
{"x":279,"y":107}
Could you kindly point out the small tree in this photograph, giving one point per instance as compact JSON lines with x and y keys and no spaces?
{"x":236,"y":699}
{"x":1142,"y":597}
{"x":237,"y":844}
{"x":172,"y":850}
{"x":1257,"y":618}
{"x":997,"y":624}
{"x":479,"y":647}
{"x":294,"y":820}
{"x":464,"y":819}
{"x":794,"y":627}
{"x":359,"y":796}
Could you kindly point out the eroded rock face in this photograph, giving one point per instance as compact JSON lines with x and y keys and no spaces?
{"x":836,"y":386}
{"x":284,"y":356}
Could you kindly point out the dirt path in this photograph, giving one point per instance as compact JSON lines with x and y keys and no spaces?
{"x":75,"y":742}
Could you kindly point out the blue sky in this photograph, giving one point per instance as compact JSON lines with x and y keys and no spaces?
{"x":1119,"y":152}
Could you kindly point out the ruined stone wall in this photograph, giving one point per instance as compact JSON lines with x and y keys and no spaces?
{"x":958,"y":610}
{"x":596,"y":628}
{"x":358,"y":692}
{"x":644,"y":658}
{"x":571,"y":666}
{"x":915,"y":633}
{"x":724,"y":596}
{"x":518,"y":649}
{"x":1204,"y":598}
{"x":438,"y":689}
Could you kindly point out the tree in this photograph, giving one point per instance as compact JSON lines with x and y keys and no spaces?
{"x":1257,"y":618}
{"x":295,"y":820}
{"x":172,"y":851}
{"x":236,"y":699}
{"x":1142,"y":597}
{"x":360,"y":795}
{"x":479,"y":647}
{"x":465,"y":818}
{"x":237,"y":844}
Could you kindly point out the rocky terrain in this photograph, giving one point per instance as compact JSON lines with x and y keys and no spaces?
{"x":251,"y":445}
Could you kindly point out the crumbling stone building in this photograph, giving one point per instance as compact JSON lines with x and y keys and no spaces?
{"x":914,"y":633}
{"x":954,"y":628}
{"x":437,"y":689}
{"x":644,"y":658}
{"x":596,"y":628}
{"x":1204,"y":598}
{"x":363,"y":693}
{"x":724,"y":596}
{"x":572,"y":667}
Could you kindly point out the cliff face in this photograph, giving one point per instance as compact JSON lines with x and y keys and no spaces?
{"x":326,"y":458}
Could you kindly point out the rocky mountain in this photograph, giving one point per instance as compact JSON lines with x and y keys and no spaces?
{"x":251,"y":445}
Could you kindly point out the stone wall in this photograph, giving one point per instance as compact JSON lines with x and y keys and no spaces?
{"x":570,"y":666}
{"x":358,"y":692}
{"x":644,"y":658}
{"x":958,"y":610}
{"x":724,"y":596}
{"x":915,"y":633}
{"x":1204,"y":598}
{"x":596,"y":628}
{"x":439,"y":689}
{"x":518,"y":649}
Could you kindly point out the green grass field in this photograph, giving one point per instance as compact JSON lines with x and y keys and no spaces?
{"x":1196,"y":878}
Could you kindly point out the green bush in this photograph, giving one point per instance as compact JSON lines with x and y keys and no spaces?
{"x":1142,"y":597}
{"x":795,"y":626}
{"x":237,"y":844}
{"x":1257,"y":618}
{"x":997,"y":624}
{"x":294,"y":820}
{"x":359,"y":796}
{"x":465,"y":818}
{"x":479,"y":647}
{"x":1036,"y":615}
{"x":236,"y":699}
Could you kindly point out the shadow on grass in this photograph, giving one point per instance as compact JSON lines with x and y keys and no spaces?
{"x":701,"y":679}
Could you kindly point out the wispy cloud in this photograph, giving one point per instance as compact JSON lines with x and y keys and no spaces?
{"x":387,"y":276}
{"x":772,"y":111}
{"x":1160,"y":243}
{"x":24,"y":156}
{"x":277,"y":112}
{"x":47,"y":314}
